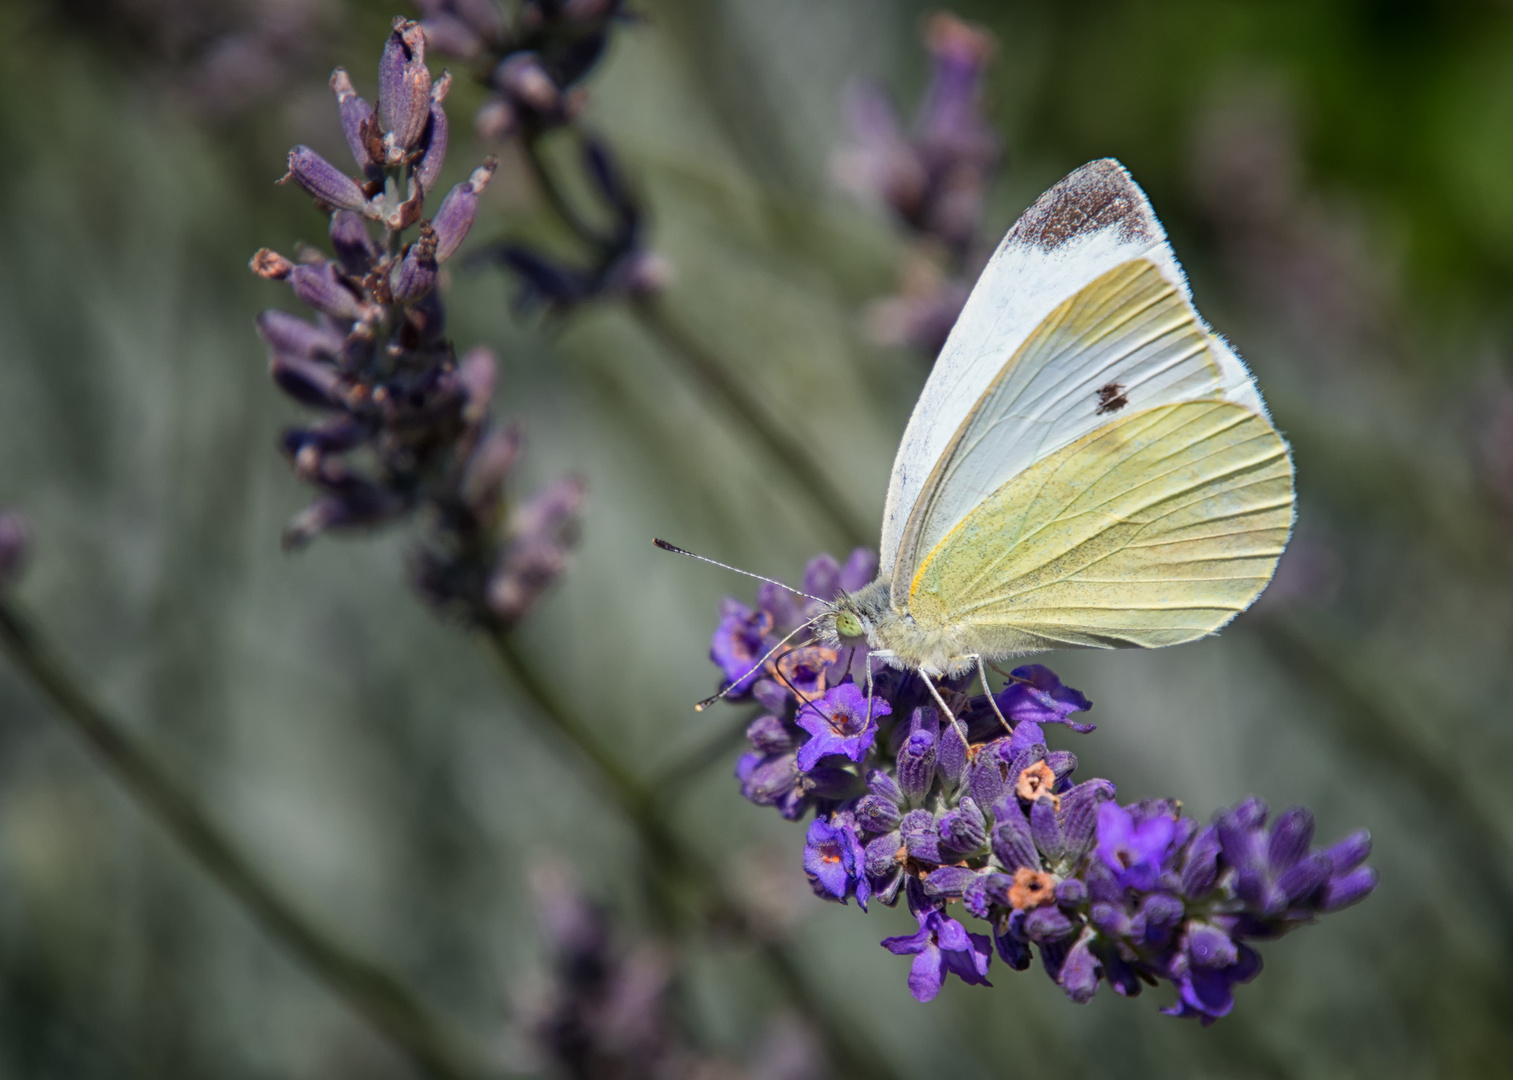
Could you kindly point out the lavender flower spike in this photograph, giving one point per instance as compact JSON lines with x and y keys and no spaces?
{"x":1131,"y":895}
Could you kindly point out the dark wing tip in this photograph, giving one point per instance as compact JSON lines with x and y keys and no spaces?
{"x":1098,"y":196}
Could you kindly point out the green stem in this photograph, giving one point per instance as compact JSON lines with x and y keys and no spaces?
{"x":687,"y":869}
{"x":712,"y":375}
{"x":393,"y":1011}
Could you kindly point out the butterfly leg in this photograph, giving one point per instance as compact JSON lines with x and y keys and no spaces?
{"x":982,"y":671}
{"x":961,"y":729}
{"x":870,"y":655}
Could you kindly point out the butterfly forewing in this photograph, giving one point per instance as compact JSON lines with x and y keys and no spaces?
{"x":1128,"y":340}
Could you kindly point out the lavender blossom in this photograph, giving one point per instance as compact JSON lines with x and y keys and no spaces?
{"x":406,"y":424}
{"x":905,"y":805}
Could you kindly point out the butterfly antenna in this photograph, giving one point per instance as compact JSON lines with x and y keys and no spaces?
{"x":665,"y":546}
{"x":707,"y":702}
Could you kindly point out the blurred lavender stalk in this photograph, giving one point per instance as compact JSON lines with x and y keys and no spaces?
{"x":605,"y":1011}
{"x":932,"y":180}
{"x":534,"y":65}
{"x":371,"y":990}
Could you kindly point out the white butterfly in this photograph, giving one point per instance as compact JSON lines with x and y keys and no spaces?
{"x":1088,"y":464}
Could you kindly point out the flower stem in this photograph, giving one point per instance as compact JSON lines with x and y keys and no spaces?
{"x":674,"y":859}
{"x":393,"y":1011}
{"x":711,"y":374}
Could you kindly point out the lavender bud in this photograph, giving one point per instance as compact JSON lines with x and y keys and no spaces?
{"x":1350,"y":852}
{"x":450,"y":35}
{"x":489,"y":464}
{"x":331,"y":436}
{"x":404,"y":89}
{"x":985,"y":776}
{"x":1079,"y":814}
{"x":877,"y":814}
{"x":15,"y":545}
{"x":417,"y":272}
{"x":354,"y":247}
{"x":883,"y":785}
{"x":1046,"y":924}
{"x":325,"y":181}
{"x":949,"y":881}
{"x":1071,"y":893}
{"x":476,"y":374}
{"x":1013,"y":842}
{"x":769,"y":735}
{"x":318,"y":286}
{"x":830,"y":783}
{"x":1291,"y":834}
{"x":920,"y":836}
{"x":308,"y":382}
{"x":882,"y":853}
{"x":1201,"y":870}
{"x":496,"y":120}
{"x":429,"y":169}
{"x":1046,"y":829}
{"x":1080,"y":971}
{"x":964,"y":829}
{"x":356,"y":114}
{"x":1303,"y":878}
{"x":1343,"y":891}
{"x":455,"y":216}
{"x":951,"y":760}
{"x":362,"y":504}
{"x":293,"y":336}
{"x":916,"y":757}
{"x":523,"y":77}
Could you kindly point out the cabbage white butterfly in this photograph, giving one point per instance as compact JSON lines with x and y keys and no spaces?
{"x":1088,"y":465}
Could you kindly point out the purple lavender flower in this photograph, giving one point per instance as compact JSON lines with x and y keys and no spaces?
{"x":1036,"y":695}
{"x":835,"y":862}
{"x":844,"y":722}
{"x":942,"y":946}
{"x":1134,"y":851}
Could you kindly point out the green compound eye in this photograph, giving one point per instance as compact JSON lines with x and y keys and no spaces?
{"x":848,"y":625}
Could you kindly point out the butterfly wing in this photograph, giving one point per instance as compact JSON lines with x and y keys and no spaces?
{"x":1042,"y":399}
{"x":1154,"y":529}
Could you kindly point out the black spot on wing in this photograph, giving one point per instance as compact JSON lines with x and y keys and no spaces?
{"x":1111,"y":398}
{"x":1098,"y":196}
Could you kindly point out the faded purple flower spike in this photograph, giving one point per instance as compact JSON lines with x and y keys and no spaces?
{"x":15,"y":545}
{"x":409,"y":426}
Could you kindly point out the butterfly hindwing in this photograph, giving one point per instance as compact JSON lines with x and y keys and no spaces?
{"x":1154,"y":529}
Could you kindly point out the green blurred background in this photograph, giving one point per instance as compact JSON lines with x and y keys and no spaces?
{"x":1337,"y":176}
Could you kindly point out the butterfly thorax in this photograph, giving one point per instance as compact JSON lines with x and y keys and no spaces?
{"x":868,"y":615}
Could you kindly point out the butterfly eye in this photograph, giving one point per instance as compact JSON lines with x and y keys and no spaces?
{"x":848,"y":625}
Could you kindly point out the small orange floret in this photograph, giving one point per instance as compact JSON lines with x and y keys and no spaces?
{"x":1032,"y":888}
{"x":1035,"y":781}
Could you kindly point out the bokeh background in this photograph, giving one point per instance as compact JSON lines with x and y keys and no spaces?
{"x":1337,"y":176}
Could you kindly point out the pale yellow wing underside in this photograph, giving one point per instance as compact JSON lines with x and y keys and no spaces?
{"x":1130,"y":333}
{"x":1155,"y":529}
